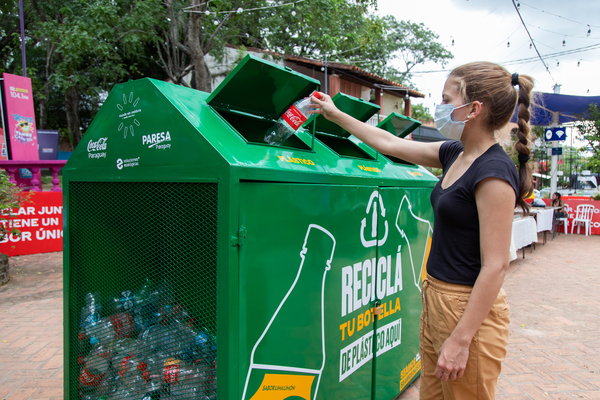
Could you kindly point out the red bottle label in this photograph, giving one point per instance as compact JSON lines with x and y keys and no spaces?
{"x":294,"y":117}
{"x":171,"y":370}
{"x":86,"y":378}
{"x":123,"y":368}
{"x":123,"y":325}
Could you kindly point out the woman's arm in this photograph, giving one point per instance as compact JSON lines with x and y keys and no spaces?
{"x":495,"y":205}
{"x":426,"y":154}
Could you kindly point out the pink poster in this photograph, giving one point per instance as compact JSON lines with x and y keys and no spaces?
{"x":20,"y":121}
{"x":3,"y":151}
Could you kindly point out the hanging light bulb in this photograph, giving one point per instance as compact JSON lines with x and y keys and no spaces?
{"x":207,"y":12}
{"x":239,"y":10}
{"x":518,"y":6}
{"x":452,"y":42}
{"x":564,"y":42}
{"x":578,"y":63}
{"x":294,"y":10}
{"x":530,"y":46}
{"x":507,"y":44}
{"x":557,"y":63}
{"x":589,"y":32}
{"x":216,"y":22}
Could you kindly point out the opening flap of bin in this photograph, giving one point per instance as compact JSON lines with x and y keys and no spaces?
{"x":358,"y":108}
{"x":399,"y":125}
{"x":259,"y":87}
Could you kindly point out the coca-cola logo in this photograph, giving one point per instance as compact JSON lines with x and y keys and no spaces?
{"x":98,"y":145}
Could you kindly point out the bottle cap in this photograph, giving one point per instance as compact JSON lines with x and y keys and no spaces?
{"x":316,"y":94}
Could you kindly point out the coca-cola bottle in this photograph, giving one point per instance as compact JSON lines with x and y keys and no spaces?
{"x":290,"y":121}
{"x":94,"y":368}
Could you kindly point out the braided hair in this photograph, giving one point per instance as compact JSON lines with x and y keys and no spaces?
{"x":494,"y":86}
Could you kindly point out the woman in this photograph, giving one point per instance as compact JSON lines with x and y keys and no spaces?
{"x":464,"y":324}
{"x":557,"y":202}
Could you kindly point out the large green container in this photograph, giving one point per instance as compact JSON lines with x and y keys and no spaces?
{"x":301,"y":263}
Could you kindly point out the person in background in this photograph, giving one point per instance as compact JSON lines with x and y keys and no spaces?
{"x":557,"y":202}
{"x":465,"y":318}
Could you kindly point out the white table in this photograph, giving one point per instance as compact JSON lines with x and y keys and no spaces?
{"x":524,"y":233}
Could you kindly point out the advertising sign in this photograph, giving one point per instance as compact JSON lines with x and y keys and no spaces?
{"x":339,"y":290}
{"x":554,"y":134}
{"x":571,"y":209}
{"x":48,"y":144}
{"x":3,"y":151}
{"x":20,"y":118}
{"x":40,"y":222}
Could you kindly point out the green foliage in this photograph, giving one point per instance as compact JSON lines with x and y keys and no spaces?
{"x":343,"y":31}
{"x":10,"y":197}
{"x":588,"y":127}
{"x":420,"y":112}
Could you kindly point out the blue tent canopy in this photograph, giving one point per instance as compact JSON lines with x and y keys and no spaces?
{"x":544,"y":104}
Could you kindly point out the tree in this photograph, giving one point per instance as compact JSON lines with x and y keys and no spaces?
{"x":420,"y":112}
{"x":588,"y":127}
{"x":82,"y":58}
{"x":193,"y":28}
{"x":344,"y":31}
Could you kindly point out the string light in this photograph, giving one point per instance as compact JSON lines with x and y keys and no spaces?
{"x":564,"y":42}
{"x":578,"y":63}
{"x":557,"y":63}
{"x":508,"y":44}
{"x":241,"y":10}
{"x":530,"y":46}
{"x":589,"y":32}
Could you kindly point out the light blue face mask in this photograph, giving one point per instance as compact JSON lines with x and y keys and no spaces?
{"x":444,"y":123}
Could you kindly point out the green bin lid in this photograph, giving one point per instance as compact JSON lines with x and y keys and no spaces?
{"x":399,"y":125}
{"x":360,"y":109}
{"x":262,"y":88}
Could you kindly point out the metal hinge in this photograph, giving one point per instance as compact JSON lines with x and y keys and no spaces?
{"x":240,"y":239}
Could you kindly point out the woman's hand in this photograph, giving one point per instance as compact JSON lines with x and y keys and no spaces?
{"x":452,"y":361}
{"x":325,"y":107}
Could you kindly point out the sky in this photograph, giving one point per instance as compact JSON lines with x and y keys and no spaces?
{"x":481,"y":30}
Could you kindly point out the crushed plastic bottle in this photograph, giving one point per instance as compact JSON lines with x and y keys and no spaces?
{"x":94,"y":368}
{"x":290,"y":121}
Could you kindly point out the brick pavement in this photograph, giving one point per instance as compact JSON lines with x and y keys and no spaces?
{"x":554,"y":347}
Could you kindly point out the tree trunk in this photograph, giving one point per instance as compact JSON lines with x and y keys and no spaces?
{"x":72,"y":107}
{"x":202,"y":79}
{"x":46,"y":90}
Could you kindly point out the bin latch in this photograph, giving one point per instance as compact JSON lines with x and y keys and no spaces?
{"x":377,"y":310}
{"x":240,"y":239}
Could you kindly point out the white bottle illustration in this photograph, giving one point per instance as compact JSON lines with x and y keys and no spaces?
{"x":418,"y":255}
{"x":289,"y":356}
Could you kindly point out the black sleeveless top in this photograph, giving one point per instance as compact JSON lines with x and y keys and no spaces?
{"x":455,"y":255}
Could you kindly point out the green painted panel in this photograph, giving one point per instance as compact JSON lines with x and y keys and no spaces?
{"x":358,"y":108}
{"x":399,"y":125}
{"x":144,"y":125}
{"x":261,"y":88}
{"x":409,"y":219}
{"x":310,"y":327}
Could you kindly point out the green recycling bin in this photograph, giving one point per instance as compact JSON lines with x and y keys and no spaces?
{"x":203,"y":263}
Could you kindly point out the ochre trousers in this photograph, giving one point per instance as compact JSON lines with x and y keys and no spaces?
{"x":443,"y":306}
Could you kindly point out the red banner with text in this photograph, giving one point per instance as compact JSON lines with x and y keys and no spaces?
{"x":571,"y":207}
{"x":40,"y":221}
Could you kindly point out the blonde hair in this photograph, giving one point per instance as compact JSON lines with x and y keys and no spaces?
{"x":492,"y":85}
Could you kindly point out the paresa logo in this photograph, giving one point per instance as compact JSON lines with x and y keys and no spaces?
{"x":24,"y":129}
{"x":160,"y":141}
{"x":97,"y":149}
{"x":128,"y":111}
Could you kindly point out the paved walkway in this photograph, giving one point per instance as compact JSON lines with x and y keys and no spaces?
{"x":554,"y":348}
